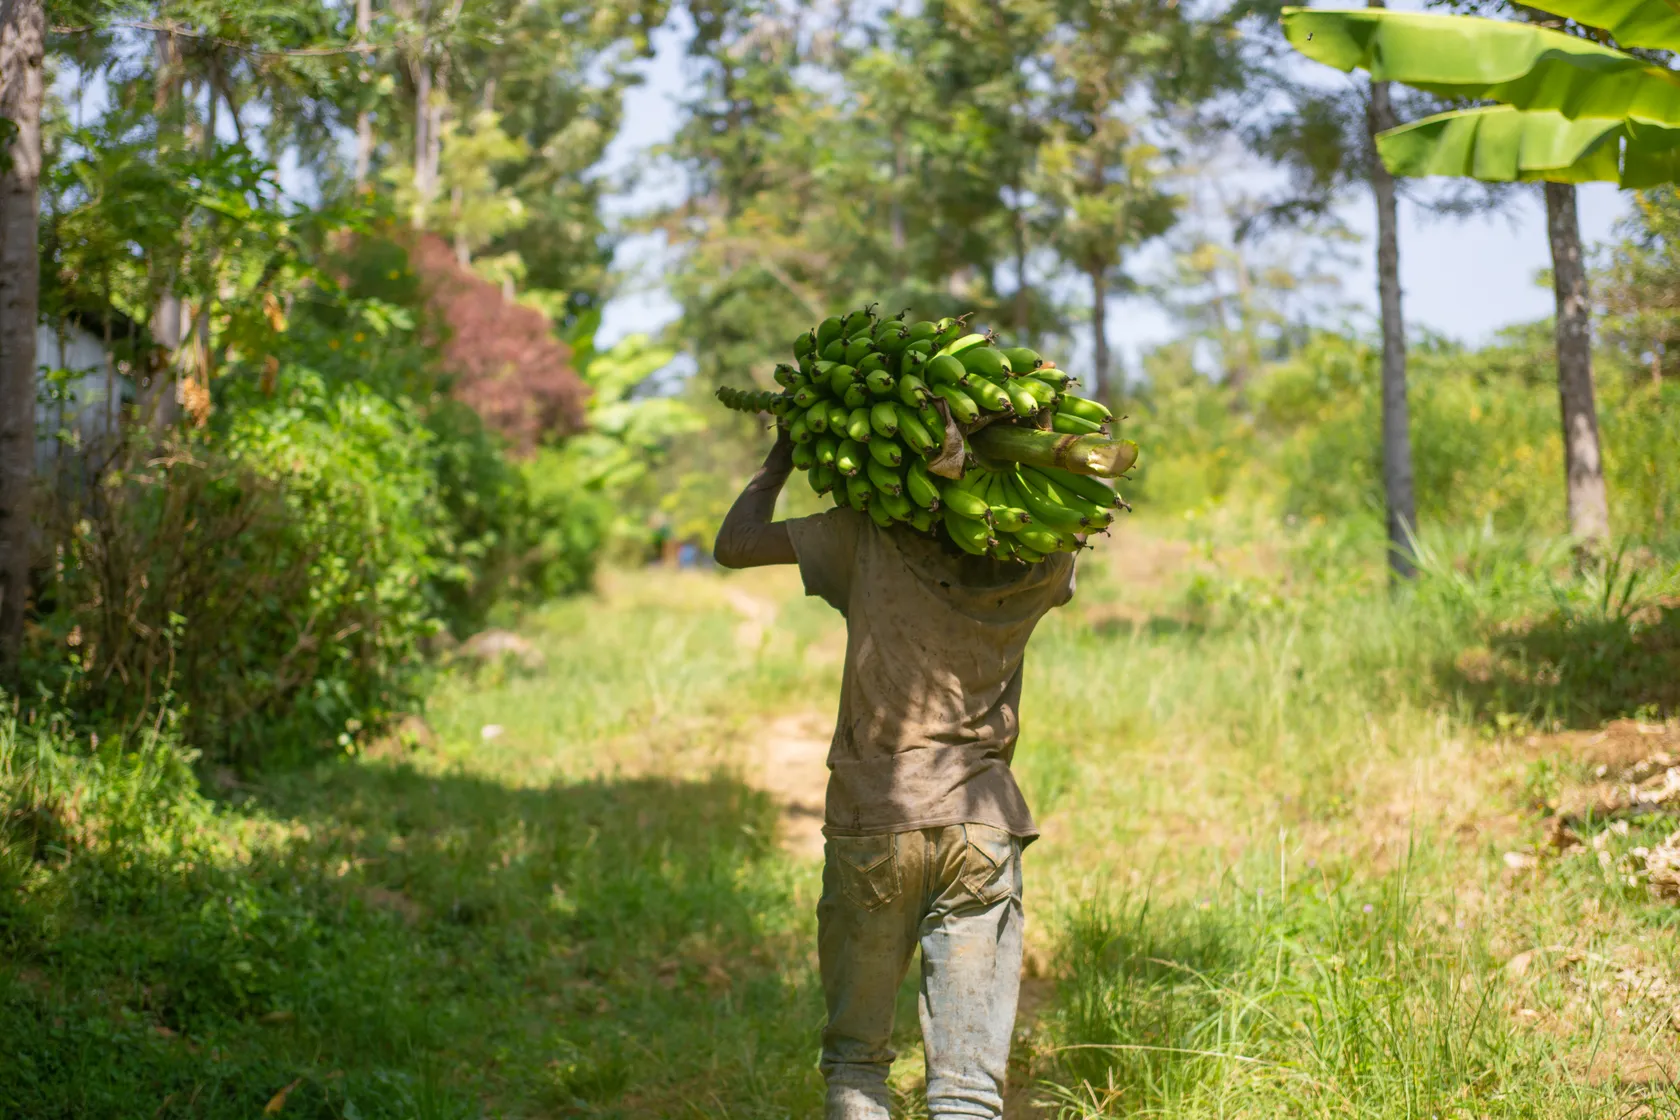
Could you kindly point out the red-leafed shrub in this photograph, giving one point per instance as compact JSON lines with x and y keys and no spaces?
{"x":508,"y":366}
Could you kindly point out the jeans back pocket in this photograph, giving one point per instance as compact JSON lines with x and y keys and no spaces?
{"x":991,"y":863}
{"x":867,"y":867}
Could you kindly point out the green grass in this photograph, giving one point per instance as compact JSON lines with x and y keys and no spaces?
{"x":1275,"y":800}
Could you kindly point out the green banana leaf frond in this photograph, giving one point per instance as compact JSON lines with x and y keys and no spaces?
{"x":1515,"y":64}
{"x":1635,"y":23}
{"x":1502,"y":144}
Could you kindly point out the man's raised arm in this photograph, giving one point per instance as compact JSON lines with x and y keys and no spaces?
{"x":748,"y":538}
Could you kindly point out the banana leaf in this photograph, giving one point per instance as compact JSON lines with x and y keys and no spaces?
{"x":1516,"y":64}
{"x":1502,"y":144}
{"x":1634,"y":23}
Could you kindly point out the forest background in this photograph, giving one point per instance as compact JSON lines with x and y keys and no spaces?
{"x":348,"y":263}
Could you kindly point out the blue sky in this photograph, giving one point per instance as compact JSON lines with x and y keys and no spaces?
{"x":1461,"y":279}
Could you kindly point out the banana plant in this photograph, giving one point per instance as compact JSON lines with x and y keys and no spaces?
{"x":1566,"y":109}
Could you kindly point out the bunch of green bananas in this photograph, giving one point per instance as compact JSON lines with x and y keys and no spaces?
{"x":868,"y":403}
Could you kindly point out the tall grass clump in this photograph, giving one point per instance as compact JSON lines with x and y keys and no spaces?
{"x":1310,"y":993}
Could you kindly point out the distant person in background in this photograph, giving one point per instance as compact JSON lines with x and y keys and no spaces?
{"x":924,"y":823}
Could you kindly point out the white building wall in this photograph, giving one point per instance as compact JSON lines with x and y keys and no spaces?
{"x":87,"y":412}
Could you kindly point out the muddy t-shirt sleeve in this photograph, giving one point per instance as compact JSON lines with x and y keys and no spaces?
{"x":1062,"y":583}
{"x":826,"y":545}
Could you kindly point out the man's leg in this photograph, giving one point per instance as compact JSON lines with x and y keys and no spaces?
{"x":873,"y":890}
{"x":971,"y":969}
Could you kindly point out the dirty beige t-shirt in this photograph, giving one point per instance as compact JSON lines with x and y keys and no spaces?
{"x":934,"y":649}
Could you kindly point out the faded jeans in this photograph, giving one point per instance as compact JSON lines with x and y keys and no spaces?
{"x":957,"y":892}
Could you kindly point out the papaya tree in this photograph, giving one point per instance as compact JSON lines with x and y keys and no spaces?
{"x":1565,"y":109}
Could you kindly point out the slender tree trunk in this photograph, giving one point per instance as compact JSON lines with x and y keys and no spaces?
{"x":1099,"y":335}
{"x":161,"y":405}
{"x":1396,"y":418}
{"x":364,"y":119}
{"x":422,"y":140}
{"x":22,"y":87}
{"x":1589,"y":509}
{"x":1023,"y":293}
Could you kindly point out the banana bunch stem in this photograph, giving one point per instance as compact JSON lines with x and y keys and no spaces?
{"x":1082,"y":454}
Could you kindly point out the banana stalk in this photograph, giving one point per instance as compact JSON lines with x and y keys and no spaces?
{"x":1081,"y":454}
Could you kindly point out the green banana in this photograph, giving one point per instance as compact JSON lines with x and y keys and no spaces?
{"x":933,"y":422}
{"x":826,"y":448}
{"x":1040,"y":540}
{"x":948,"y":330}
{"x":799,"y":429}
{"x":987,"y":361}
{"x":1093,"y":490}
{"x":1024,"y":402}
{"x":804,"y":456}
{"x":885,"y":479}
{"x":880,"y":382}
{"x":989,"y":395}
{"x":886,"y":452}
{"x":1091,"y":515}
{"x":857,"y":425}
{"x":897,"y":505}
{"x":1010,"y":519}
{"x":963,"y":502}
{"x":821,"y":478}
{"x":870,"y":363}
{"x":858,"y":319}
{"x":855,"y":396}
{"x":972,"y":536}
{"x":1042,"y":391}
{"x":945,"y":370}
{"x":849,"y":457}
{"x":837,"y":417}
{"x":1027,"y":555}
{"x":892,"y":343}
{"x":834,"y":352}
{"x":912,"y":390}
{"x":785,"y":374}
{"x":805,"y":396}
{"x":827,"y":331}
{"x":1057,"y":379}
{"x":884,"y":419}
{"x":1073,"y":425}
{"x":918,"y":484}
{"x":922,"y":520}
{"x":878,"y":513}
{"x":922,"y":330}
{"x":963,"y":408}
{"x":914,"y":434}
{"x":840,"y":376}
{"x":1048,"y":513}
{"x":1094,"y":411}
{"x":922,"y":346}
{"x":964,"y":344}
{"x":858,"y":491}
{"x":857,"y":349}
{"x":1021,"y":359}
{"x":804,"y":345}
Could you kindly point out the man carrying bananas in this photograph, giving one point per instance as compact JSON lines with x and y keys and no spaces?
{"x":924,"y":824}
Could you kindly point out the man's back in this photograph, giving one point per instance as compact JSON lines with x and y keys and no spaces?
{"x":935,"y":643}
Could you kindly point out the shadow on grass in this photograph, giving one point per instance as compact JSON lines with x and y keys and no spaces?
{"x":1567,"y":670}
{"x":404,"y":944}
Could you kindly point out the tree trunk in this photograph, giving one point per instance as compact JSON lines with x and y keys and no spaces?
{"x":22,"y":87}
{"x":1023,"y":294}
{"x":1396,"y":418}
{"x":422,"y":140}
{"x":1099,"y":336}
{"x":364,"y":119}
{"x":1589,"y":509}
{"x":160,"y":404}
